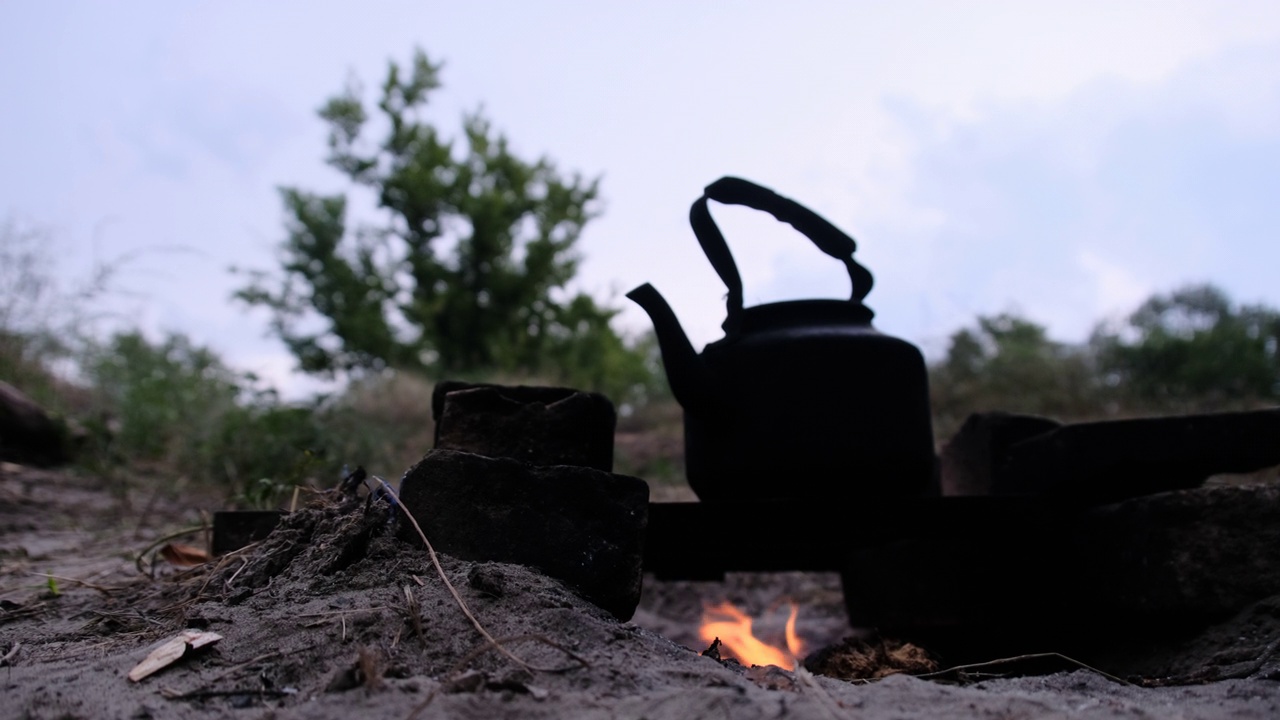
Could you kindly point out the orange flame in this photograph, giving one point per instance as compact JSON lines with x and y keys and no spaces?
{"x":734,"y":628}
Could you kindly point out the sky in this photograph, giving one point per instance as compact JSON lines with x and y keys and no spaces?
{"x":1061,"y":160}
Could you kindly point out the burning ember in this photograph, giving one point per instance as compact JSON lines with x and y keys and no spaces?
{"x":737,"y":640}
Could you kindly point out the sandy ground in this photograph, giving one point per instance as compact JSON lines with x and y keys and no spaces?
{"x":331,"y":617}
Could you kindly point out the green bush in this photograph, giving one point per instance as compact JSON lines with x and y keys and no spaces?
{"x":167,"y":399}
{"x":179,"y":409}
{"x":262,"y":451}
{"x":381,"y":421}
{"x":1008,"y":363}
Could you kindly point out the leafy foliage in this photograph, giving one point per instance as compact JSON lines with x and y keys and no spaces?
{"x":1193,"y":347}
{"x":175,"y":405}
{"x":163,"y":396}
{"x":468,"y":272}
{"x":168,"y":407}
{"x":1008,"y":363}
{"x":1186,"y":351}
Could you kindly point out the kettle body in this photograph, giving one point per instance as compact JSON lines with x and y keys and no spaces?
{"x":815,"y":406}
{"x":802,"y":399}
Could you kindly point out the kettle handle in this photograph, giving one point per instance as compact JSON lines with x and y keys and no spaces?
{"x":736,"y":191}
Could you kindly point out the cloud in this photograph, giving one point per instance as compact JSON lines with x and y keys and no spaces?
{"x":1115,"y":289}
{"x":1078,"y":207}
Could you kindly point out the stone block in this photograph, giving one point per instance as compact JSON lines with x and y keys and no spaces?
{"x":1203,"y":553}
{"x":1108,"y":461}
{"x":537,"y":425}
{"x":1048,"y":574}
{"x":970,"y":458}
{"x":234,"y":529}
{"x":582,"y":526}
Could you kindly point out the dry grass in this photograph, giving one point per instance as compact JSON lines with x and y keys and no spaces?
{"x":383,"y":422}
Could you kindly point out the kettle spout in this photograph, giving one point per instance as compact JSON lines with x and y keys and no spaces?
{"x":691,"y":382}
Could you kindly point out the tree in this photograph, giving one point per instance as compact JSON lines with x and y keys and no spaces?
{"x":1193,"y":349}
{"x":1008,"y":363}
{"x":467,"y":272}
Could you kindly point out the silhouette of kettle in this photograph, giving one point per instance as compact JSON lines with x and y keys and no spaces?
{"x":801,"y":399}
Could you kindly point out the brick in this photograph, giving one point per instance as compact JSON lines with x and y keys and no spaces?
{"x":538,"y":425}
{"x":580,"y":525}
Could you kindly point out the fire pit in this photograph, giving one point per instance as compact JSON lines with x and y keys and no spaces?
{"x":1011,"y":567}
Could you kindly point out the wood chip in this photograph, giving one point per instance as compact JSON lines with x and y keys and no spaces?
{"x":181,"y":555}
{"x":172,"y":650}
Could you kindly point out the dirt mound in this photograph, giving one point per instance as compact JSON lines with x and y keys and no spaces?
{"x":330,"y":614}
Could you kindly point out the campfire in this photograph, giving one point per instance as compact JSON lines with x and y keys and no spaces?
{"x":527,"y":475}
{"x":734,"y":629}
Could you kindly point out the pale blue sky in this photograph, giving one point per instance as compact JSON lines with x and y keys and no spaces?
{"x":1063,"y":160}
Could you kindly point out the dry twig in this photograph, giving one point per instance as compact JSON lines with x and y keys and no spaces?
{"x":76,"y":581}
{"x":202,"y":690}
{"x":349,"y":611}
{"x":200,"y":694}
{"x":435,"y":561}
{"x":465,"y":661}
{"x":962,"y":669}
{"x":9,"y":656}
{"x":810,"y":684}
{"x":367,"y":662}
{"x":138,"y":561}
{"x":493,"y":643}
{"x":415,"y":617}
{"x":231,"y":580}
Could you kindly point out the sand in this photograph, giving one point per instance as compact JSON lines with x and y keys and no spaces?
{"x":333,"y":617}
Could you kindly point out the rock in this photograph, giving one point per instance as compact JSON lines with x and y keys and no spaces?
{"x":971,"y":456}
{"x":582,"y":526}
{"x":1199,"y":554}
{"x":993,"y":569}
{"x":538,"y":425}
{"x":1048,"y":575}
{"x":234,"y":529}
{"x":1108,"y":461}
{"x":28,"y":435}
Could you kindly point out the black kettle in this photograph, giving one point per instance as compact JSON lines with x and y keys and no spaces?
{"x":801,"y":399}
